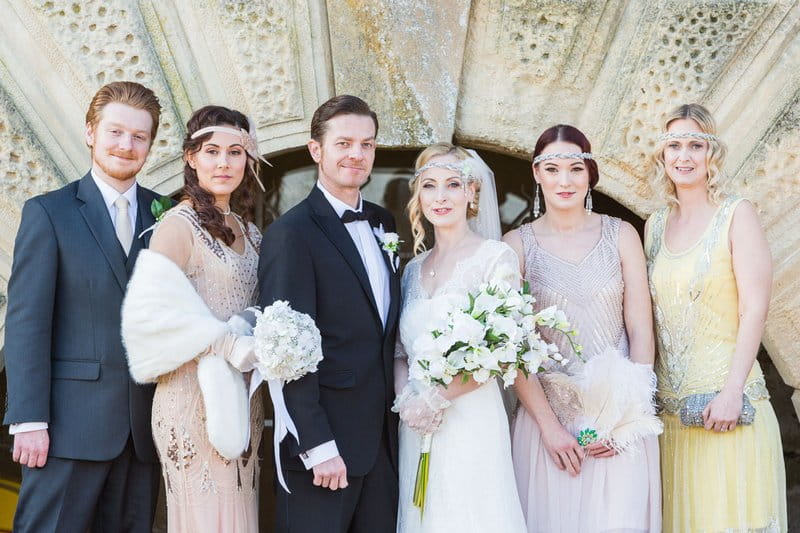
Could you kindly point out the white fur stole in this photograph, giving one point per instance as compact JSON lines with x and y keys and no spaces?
{"x":166,"y":324}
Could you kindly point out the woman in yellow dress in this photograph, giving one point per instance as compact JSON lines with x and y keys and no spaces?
{"x":710,"y":278}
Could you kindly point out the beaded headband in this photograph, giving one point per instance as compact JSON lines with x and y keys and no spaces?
{"x":463,"y":169}
{"x":688,"y":135}
{"x":570,"y":155}
{"x":246,"y":139}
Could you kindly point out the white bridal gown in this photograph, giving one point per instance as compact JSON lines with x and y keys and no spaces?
{"x":471,"y":486}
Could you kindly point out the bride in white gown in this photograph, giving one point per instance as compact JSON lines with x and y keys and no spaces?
{"x":471,"y":486}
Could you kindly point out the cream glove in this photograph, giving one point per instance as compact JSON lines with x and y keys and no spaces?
{"x":421,"y":407}
{"x":236,"y":349}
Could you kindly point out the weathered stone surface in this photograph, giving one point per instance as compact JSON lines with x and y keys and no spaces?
{"x":405,"y":58}
{"x":25,"y":170}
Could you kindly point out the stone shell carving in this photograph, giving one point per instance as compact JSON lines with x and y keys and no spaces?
{"x":261,"y":38}
{"x":25,"y":166}
{"x":108,"y":41}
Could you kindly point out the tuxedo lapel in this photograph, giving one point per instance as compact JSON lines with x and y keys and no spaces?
{"x":325,"y":217}
{"x":394,"y":277}
{"x":95,"y":214}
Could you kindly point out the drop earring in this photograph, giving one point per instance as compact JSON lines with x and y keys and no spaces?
{"x":537,"y":208}
{"x":588,"y":204}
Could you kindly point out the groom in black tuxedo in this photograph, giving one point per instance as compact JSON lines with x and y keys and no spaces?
{"x":325,"y":258}
{"x":81,"y":426}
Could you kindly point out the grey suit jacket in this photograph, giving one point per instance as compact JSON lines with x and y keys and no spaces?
{"x":65,"y":363}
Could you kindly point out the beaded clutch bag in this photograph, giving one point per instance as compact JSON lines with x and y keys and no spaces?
{"x":692,"y":406}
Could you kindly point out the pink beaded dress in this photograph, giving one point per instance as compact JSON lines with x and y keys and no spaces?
{"x":206,"y":492}
{"x":620,"y":494}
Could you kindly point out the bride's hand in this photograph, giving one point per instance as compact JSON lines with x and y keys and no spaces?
{"x":421,"y":411}
{"x":599,"y":450}
{"x":563,"y":448}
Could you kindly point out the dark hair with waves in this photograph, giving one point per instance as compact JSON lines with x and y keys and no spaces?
{"x":569,"y":134}
{"x":243,"y":198}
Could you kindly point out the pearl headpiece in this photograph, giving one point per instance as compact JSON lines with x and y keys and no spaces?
{"x":464,"y":170}
{"x":688,"y":135}
{"x":246,"y":138}
{"x":569,"y":155}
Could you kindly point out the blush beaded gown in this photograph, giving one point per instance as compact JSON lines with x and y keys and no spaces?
{"x":206,"y":492}
{"x":619,"y":494}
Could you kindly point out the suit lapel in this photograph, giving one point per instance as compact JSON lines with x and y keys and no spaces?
{"x":325,"y":217}
{"x":95,"y":214}
{"x":144,"y":219}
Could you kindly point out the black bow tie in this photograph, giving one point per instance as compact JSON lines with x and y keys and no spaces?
{"x":353,"y":216}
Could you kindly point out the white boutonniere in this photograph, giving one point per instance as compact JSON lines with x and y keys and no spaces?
{"x":390,"y":243}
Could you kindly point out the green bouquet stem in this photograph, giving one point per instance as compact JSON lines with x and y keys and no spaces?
{"x":421,"y":485}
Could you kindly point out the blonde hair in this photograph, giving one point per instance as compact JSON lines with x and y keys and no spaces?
{"x":129,"y":93}
{"x":414,"y":210}
{"x":715,"y":156}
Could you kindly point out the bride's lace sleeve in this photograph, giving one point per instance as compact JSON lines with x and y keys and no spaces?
{"x":504,"y":265}
{"x":173,"y":238}
{"x":409,"y":291}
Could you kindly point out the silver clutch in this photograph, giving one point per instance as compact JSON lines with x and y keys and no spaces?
{"x":691,"y":409}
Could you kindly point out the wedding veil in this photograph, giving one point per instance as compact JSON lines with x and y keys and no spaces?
{"x":487,"y":223}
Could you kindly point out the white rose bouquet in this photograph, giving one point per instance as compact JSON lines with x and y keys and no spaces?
{"x":492,"y":333}
{"x":287,"y":346}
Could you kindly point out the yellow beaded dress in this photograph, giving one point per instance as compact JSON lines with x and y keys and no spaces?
{"x":712,"y":482}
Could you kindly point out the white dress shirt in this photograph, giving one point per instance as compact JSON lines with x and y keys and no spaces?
{"x":372,"y":258}
{"x":110,"y":196}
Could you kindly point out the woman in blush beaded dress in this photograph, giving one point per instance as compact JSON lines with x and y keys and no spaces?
{"x":710,"y":278}
{"x":203,"y":250}
{"x":590,"y":266}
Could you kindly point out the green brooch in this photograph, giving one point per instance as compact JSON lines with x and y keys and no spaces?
{"x":587,"y":437}
{"x":159,"y":206}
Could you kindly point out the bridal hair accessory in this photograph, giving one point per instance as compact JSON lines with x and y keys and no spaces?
{"x":248,"y":141}
{"x":688,"y":135}
{"x":568,"y":155}
{"x":463,"y":169}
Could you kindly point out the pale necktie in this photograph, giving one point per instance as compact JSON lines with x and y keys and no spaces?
{"x":122,"y":224}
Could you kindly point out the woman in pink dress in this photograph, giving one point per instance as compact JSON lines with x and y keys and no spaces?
{"x":203,"y":261}
{"x":592,"y":267}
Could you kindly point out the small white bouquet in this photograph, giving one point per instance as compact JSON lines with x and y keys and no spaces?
{"x":287,"y":346}
{"x":492,"y":333}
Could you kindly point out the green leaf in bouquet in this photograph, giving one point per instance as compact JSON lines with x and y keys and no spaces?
{"x":455,"y":347}
{"x":464,"y":378}
{"x":492,"y":337}
{"x":526,"y":287}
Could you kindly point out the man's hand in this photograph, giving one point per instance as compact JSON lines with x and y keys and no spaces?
{"x":30,"y":448}
{"x":331,"y":474}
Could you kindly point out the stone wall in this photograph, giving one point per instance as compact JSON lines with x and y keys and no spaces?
{"x":489,"y":73}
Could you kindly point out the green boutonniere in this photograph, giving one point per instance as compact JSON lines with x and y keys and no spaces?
{"x":159,"y":206}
